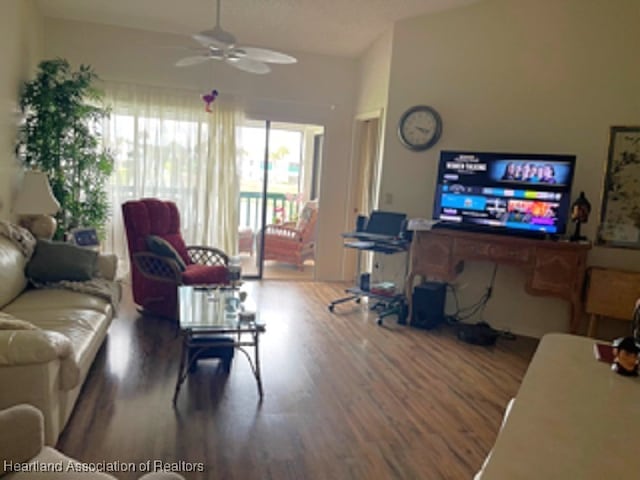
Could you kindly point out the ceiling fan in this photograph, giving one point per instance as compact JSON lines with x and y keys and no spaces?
{"x":219,"y":44}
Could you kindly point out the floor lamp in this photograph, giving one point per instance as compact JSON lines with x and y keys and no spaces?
{"x":35,"y":204}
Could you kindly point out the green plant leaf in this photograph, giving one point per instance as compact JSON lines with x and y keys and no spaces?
{"x":59,"y":136}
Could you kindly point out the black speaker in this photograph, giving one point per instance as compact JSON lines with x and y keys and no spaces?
{"x":428,"y":305}
{"x":361,"y":223}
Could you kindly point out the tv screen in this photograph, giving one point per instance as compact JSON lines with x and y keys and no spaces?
{"x":504,"y":192}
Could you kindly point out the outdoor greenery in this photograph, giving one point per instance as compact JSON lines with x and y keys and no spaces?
{"x":61,"y":137}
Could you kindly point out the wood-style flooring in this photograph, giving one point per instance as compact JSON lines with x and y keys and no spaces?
{"x":344,"y":397}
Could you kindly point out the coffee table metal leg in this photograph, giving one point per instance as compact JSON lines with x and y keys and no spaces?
{"x":254,"y":363}
{"x":183,"y":370}
{"x":257,"y":372}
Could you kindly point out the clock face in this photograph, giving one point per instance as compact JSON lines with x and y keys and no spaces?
{"x":420,"y":128}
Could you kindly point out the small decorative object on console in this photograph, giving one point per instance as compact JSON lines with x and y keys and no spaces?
{"x":580,"y":211}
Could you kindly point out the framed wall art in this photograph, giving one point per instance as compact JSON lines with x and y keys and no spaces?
{"x":620,"y":213}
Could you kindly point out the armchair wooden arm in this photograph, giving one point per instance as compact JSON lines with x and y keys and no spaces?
{"x":157,"y":267}
{"x":207,"y":255}
{"x":283,"y":231}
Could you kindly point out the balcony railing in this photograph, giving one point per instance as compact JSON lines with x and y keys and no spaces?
{"x":279,"y":209}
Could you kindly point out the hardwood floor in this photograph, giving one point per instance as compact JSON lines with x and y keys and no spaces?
{"x":344,"y":398}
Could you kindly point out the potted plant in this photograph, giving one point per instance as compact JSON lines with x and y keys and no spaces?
{"x":61,"y":136}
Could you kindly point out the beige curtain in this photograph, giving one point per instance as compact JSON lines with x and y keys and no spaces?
{"x":166,"y":146}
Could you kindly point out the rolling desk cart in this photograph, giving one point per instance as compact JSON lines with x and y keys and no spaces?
{"x":387,"y":304}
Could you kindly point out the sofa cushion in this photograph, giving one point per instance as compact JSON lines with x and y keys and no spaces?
{"x":306,"y":214}
{"x":21,"y":435}
{"x":46,"y":299}
{"x":9,"y":322}
{"x":56,"y":261}
{"x":28,"y":347}
{"x":83,"y":328}
{"x":12,"y":264}
{"x":162,"y":247}
{"x":205,"y":274}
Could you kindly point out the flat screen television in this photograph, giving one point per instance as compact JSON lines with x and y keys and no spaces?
{"x":523,"y":194}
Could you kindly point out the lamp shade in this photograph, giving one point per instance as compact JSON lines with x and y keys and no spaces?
{"x":35,"y":197}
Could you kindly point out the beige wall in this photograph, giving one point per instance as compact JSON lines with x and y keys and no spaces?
{"x":374,"y":68}
{"x":317,"y":90}
{"x":372,"y":91}
{"x":20,"y":37}
{"x":528,"y":76}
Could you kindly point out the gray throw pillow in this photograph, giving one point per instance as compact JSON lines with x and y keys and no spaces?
{"x":160,"y":246}
{"x":56,"y":261}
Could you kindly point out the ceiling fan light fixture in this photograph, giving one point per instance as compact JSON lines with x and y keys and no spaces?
{"x":221,"y":45}
{"x":215,"y":37}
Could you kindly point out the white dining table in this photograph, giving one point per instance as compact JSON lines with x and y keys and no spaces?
{"x":573,"y":418}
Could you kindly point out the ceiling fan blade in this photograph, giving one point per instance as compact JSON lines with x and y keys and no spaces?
{"x":249,"y":65}
{"x":221,"y":45}
{"x":188,"y":61}
{"x":265,"y":55}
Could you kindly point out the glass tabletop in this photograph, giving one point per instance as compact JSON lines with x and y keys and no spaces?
{"x":216,"y":309}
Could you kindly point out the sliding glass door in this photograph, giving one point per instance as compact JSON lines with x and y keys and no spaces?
{"x":279,"y":165}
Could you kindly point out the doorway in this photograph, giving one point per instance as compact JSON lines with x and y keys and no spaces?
{"x":279,"y":167}
{"x":365,"y":177}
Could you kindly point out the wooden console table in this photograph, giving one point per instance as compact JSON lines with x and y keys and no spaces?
{"x":553,"y":268}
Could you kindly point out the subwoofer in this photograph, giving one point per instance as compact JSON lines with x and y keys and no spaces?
{"x":428,"y":305}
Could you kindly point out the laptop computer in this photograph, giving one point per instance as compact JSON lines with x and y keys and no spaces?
{"x":382,"y":226}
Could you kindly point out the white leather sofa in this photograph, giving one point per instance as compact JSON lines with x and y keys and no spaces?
{"x":23,"y":455}
{"x":46,"y":367}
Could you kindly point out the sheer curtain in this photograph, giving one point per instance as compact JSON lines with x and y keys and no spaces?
{"x":166,"y":146}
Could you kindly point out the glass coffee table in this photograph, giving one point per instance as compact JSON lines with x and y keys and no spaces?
{"x":215,"y":318}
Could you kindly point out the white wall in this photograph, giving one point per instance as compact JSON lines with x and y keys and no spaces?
{"x":529,"y":76}
{"x":317,"y":90}
{"x":20,"y":37}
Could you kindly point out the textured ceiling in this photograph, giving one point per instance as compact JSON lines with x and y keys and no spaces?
{"x":331,"y":27}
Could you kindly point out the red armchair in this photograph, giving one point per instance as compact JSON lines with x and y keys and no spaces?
{"x":293,"y":243}
{"x":155,"y":278}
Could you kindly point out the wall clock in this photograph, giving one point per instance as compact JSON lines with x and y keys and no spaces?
{"x":420,"y":128}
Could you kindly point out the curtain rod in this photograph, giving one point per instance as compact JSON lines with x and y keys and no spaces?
{"x":228,"y":95}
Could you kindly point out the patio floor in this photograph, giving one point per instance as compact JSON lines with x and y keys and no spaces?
{"x":277,"y":271}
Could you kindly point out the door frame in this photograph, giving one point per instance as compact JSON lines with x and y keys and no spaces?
{"x":315,"y":171}
{"x":349,"y":265}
